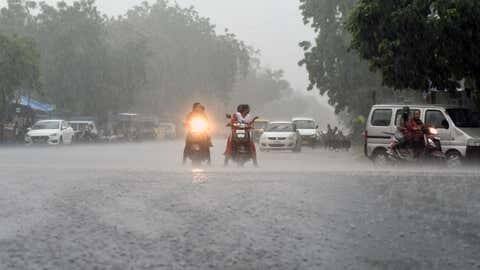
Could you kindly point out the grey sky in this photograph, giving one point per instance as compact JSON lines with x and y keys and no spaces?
{"x":273,"y":26}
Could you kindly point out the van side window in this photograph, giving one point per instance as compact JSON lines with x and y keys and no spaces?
{"x":435,"y":119}
{"x":381,"y":118}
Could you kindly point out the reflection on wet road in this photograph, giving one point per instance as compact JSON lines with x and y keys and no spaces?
{"x":199,"y":176}
{"x":136,"y":207}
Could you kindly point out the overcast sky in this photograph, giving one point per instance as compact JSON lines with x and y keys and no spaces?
{"x":273,"y":26}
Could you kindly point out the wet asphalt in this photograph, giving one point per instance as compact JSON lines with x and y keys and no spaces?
{"x":134,"y":206}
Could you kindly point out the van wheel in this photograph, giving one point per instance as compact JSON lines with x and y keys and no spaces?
{"x":454,"y":159}
{"x":380,"y":158}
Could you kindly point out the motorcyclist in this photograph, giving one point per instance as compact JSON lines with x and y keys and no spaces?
{"x":242,"y":115}
{"x":415,"y":130}
{"x":198,"y":111}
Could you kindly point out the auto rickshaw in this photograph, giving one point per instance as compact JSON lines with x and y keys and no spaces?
{"x":258,"y":128}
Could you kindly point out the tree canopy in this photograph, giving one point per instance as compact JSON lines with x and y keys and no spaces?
{"x":419,"y":44}
{"x":19,"y":67}
{"x":332,"y":68}
{"x":154,"y":59}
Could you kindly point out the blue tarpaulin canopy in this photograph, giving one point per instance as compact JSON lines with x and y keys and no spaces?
{"x":36,"y":105}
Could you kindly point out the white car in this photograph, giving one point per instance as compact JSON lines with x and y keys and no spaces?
{"x":281,"y":136}
{"x":308,"y":129}
{"x":50,"y":132}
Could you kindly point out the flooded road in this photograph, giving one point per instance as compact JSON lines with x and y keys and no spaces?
{"x":135,"y":206}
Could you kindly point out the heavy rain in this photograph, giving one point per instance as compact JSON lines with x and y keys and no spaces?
{"x":222,"y":134}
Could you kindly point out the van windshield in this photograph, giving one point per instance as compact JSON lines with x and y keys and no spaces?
{"x":464,"y":118}
{"x":305,"y":124}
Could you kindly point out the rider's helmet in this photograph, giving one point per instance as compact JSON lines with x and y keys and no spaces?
{"x":240,"y":108}
{"x":247,"y":108}
{"x":243,"y":108}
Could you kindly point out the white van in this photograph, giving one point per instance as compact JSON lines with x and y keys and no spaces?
{"x":308,"y":129}
{"x":458,"y":130}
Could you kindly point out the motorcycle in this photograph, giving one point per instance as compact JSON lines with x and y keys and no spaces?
{"x":198,"y":141}
{"x":242,"y":151}
{"x":432,"y":148}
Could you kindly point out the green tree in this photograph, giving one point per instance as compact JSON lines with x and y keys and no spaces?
{"x":332,"y":68}
{"x":19,"y":67}
{"x":419,"y":44}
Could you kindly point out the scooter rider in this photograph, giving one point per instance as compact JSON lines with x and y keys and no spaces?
{"x":415,"y":128}
{"x":241,"y":116}
{"x":198,"y":110}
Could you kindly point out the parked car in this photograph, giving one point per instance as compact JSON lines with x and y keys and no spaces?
{"x":458,"y":131}
{"x":145,"y":128}
{"x":167,"y":130}
{"x":281,"y":136}
{"x":308,"y":129}
{"x":50,"y":132}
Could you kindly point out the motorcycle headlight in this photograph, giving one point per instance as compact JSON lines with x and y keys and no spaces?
{"x":433,"y":131}
{"x":198,"y":125}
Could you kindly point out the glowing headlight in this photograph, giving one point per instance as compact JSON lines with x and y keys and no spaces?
{"x":198,"y":125}
{"x":433,"y":131}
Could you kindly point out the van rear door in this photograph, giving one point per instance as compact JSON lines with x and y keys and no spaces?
{"x":379,"y":124}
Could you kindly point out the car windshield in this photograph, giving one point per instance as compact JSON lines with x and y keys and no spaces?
{"x":281,"y":127}
{"x":305,"y":124}
{"x":46,"y":125}
{"x":464,"y":118}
